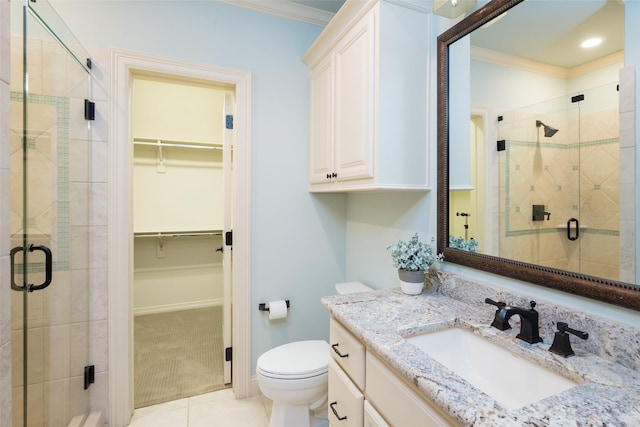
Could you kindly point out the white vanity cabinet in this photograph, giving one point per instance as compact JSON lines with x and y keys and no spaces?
{"x":364,"y":391}
{"x":368,"y":99}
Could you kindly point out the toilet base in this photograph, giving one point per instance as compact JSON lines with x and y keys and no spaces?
{"x":294,"y":415}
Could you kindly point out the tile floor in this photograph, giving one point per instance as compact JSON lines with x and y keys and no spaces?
{"x":217,"y":409}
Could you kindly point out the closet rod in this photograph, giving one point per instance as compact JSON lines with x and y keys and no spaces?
{"x":194,"y":234}
{"x":176,"y":144}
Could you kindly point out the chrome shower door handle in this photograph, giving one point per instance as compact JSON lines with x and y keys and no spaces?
{"x":48,"y":263}
{"x":573,"y":237}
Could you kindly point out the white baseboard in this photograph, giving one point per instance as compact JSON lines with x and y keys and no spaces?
{"x":176,"y":307}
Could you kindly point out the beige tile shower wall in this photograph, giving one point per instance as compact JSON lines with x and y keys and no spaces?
{"x":570,"y":182}
{"x":600,"y":194}
{"x":628,"y":183}
{"x":5,"y":309}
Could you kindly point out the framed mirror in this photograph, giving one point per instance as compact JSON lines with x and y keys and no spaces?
{"x":536,"y":181}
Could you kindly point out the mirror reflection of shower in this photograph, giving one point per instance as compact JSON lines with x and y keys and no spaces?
{"x":466,"y":223}
{"x":548,"y":130}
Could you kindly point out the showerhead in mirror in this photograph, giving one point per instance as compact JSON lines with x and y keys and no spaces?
{"x":548,"y":130}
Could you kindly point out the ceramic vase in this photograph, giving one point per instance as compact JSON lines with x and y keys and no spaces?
{"x":411,"y":282}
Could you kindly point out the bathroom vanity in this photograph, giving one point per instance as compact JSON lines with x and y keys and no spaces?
{"x":355,"y":372}
{"x":387,"y":381}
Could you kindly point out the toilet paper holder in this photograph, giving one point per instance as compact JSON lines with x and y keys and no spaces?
{"x":263,"y":306}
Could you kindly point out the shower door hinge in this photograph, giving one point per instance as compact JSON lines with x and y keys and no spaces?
{"x":228,"y":238}
{"x":228,"y":352}
{"x":89,"y":375}
{"x":577,"y":98}
{"x":89,"y":110}
{"x":229,"y":121}
{"x":501,"y":145}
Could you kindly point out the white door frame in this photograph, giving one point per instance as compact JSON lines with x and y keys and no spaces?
{"x":120,"y":220}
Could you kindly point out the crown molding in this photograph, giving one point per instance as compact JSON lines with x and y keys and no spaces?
{"x":285,"y":9}
{"x":500,"y":58}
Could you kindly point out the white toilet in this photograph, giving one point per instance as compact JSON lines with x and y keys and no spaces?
{"x":294,"y":377}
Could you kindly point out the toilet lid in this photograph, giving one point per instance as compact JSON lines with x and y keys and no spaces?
{"x":298,"y":359}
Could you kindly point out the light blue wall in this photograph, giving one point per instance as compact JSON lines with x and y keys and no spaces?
{"x":375,"y":220}
{"x":298,"y":239}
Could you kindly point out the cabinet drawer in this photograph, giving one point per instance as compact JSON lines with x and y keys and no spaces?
{"x":345,"y":400}
{"x":348,"y":352}
{"x":400,"y":404}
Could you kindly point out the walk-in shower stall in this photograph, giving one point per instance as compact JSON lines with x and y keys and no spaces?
{"x":58,"y":321}
{"x":560,"y":185}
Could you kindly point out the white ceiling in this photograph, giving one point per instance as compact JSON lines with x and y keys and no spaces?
{"x":550,"y":32}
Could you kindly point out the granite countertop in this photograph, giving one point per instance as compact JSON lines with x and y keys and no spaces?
{"x":608,"y":393}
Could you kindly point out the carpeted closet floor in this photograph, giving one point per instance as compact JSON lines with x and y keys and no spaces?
{"x":177,"y":354}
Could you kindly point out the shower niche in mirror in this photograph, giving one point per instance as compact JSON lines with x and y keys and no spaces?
{"x":532,"y":164}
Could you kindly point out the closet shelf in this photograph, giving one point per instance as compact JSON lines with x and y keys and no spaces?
{"x":178,"y":144}
{"x":161,"y":234}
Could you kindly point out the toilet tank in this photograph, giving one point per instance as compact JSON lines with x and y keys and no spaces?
{"x":351,"y":288}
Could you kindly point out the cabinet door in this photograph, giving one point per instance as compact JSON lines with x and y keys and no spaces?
{"x":398,"y":402}
{"x":348,"y":352}
{"x":372,"y":418}
{"x":321,"y":155}
{"x":355,"y":99}
{"x":345,"y":399}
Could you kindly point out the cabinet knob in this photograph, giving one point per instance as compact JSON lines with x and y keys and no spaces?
{"x":334,"y":175}
{"x":328,"y":176}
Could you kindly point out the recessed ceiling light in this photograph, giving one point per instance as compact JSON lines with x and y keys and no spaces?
{"x":592,"y":42}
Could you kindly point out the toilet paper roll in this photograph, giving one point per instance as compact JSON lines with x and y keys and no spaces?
{"x":277,"y":309}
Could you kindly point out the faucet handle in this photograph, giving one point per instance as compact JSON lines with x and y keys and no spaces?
{"x":561,"y":344}
{"x":499,"y":304}
{"x":498,"y":323}
{"x":563,"y":327}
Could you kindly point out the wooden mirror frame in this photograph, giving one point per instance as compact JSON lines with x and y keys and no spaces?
{"x":612,"y":292}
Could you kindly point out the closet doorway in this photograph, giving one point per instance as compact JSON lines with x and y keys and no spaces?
{"x":182,"y":193}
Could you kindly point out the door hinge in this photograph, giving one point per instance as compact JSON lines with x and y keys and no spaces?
{"x":501,"y":145}
{"x":89,"y":375}
{"x":229,"y":121}
{"x":228,"y":352}
{"x":228,"y":238}
{"x":577,"y":98}
{"x":89,"y":110}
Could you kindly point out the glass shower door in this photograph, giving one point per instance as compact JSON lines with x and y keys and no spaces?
{"x":49,"y":207}
{"x":560,"y":202}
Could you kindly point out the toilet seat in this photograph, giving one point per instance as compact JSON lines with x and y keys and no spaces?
{"x":296,"y":360}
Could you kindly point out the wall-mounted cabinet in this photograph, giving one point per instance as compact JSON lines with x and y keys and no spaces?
{"x":368,"y":94}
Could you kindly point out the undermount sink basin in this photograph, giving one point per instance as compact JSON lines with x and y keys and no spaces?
{"x":511,"y":380}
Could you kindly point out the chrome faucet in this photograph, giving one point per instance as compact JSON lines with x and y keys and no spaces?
{"x":528,"y":322}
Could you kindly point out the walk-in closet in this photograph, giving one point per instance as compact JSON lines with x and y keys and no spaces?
{"x":179,"y":133}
